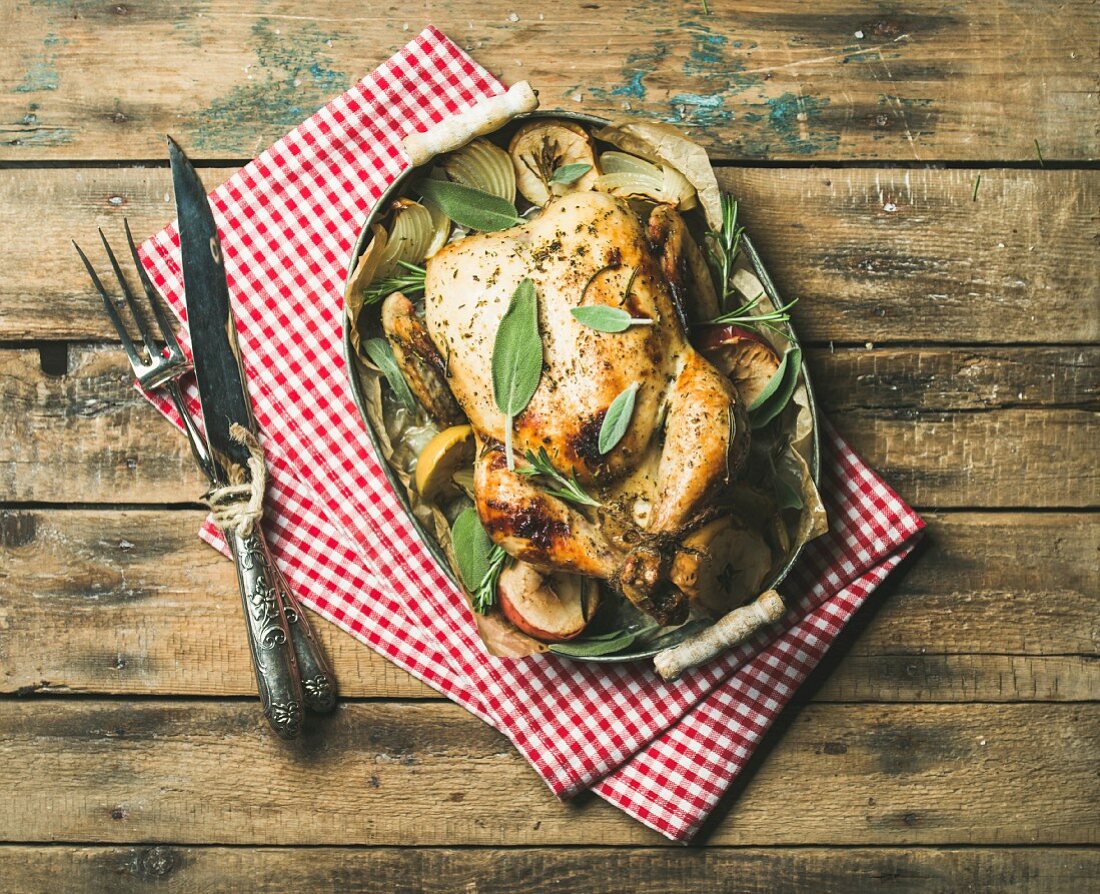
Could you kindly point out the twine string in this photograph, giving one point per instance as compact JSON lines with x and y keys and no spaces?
{"x":239,"y":505}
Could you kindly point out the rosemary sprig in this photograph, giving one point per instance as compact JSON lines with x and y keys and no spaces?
{"x":411,"y":282}
{"x":744,"y":315}
{"x":723,"y":247}
{"x":485,"y":596}
{"x":570,"y":489}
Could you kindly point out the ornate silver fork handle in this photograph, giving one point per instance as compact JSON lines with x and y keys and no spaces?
{"x":273,"y":656}
{"x":290,"y":667}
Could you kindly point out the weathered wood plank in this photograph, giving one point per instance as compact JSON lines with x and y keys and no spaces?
{"x":159,"y":868}
{"x":428,"y":773}
{"x":134,"y":602}
{"x":938,"y":379}
{"x":1009,"y":458}
{"x":88,"y":437}
{"x":998,"y":608}
{"x":938,"y":267}
{"x":820,"y":81}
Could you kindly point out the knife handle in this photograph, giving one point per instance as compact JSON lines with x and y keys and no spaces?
{"x":273,"y":657}
{"x":317,"y":681}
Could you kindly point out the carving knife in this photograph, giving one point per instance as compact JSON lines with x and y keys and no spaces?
{"x":291,"y":671}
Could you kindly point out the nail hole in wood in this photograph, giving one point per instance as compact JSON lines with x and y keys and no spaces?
{"x":53,"y":358}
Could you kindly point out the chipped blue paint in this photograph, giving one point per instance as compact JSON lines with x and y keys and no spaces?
{"x":42,"y":73}
{"x":28,"y":131}
{"x":291,"y":78}
{"x":783,"y":118}
{"x":699,"y":110}
{"x":40,"y":76}
{"x":708,"y":47}
{"x":638,"y":65}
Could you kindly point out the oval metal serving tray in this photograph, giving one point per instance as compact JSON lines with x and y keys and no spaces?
{"x":355,"y":370}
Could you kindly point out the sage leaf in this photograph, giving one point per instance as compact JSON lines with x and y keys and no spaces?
{"x":607,"y":319}
{"x":778,"y":391}
{"x":471,"y":208}
{"x":472,"y":547}
{"x":617,"y":418}
{"x":590,"y":648}
{"x":381,"y":355}
{"x":517,"y":359}
{"x":602,"y":644}
{"x":567,"y":174}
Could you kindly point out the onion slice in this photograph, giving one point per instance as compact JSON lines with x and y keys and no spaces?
{"x":410,"y":236}
{"x":631,"y":177}
{"x":485,"y":166}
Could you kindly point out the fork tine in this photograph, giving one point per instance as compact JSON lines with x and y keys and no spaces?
{"x":150,"y":345}
{"x":153,"y":295}
{"x":112,"y":311}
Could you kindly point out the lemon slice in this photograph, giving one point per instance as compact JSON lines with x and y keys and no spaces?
{"x":444,"y":455}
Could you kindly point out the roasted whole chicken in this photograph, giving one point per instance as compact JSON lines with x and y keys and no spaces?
{"x":665,"y":487}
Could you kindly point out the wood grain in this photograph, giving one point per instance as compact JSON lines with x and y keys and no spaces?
{"x":805,"y":81}
{"x":998,"y":608}
{"x":938,"y":267}
{"x":89,"y":437}
{"x":428,"y":773}
{"x":594,"y":870}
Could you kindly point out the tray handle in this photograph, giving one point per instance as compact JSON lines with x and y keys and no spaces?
{"x":457,"y":130}
{"x":726,"y":632}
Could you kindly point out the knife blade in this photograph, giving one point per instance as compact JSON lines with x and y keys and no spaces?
{"x":219,"y":372}
{"x":289,"y":665}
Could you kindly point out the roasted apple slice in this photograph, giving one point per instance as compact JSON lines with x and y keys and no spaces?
{"x":721,"y":566}
{"x":540,"y":148}
{"x":742,"y":355}
{"x":552,"y":608}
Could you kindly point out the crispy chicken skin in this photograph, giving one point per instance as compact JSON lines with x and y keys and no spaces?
{"x":688,"y":435}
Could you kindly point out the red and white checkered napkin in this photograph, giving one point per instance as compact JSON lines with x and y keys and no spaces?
{"x":664,"y":753}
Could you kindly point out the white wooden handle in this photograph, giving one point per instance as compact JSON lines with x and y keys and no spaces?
{"x":727,"y":631}
{"x":457,"y":130}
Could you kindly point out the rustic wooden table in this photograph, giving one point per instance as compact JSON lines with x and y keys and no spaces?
{"x":952,"y":740}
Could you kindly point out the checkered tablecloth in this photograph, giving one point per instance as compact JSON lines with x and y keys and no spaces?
{"x":664,"y":753}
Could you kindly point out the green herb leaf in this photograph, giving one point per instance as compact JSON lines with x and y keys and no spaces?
{"x":723,"y":247}
{"x":607,"y":319}
{"x":745,"y":315}
{"x":590,"y":648}
{"x":472,"y":547}
{"x":604,"y":643}
{"x":517,"y":359}
{"x":485,"y":596}
{"x":617,"y":418}
{"x":778,"y":391}
{"x":410,"y":281}
{"x":381,"y":354}
{"x":471,"y":208}
{"x":570,"y":489}
{"x":570,"y":173}
{"x":479,"y":560}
